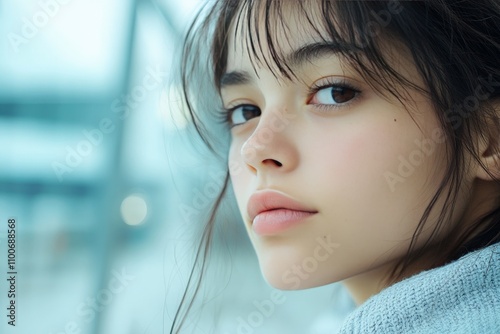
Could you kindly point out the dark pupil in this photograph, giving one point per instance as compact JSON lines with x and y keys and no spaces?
{"x":250,"y":112}
{"x":341,"y":94}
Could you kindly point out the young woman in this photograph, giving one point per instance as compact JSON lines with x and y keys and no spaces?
{"x":364,"y":148}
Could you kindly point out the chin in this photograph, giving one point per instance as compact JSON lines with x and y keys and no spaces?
{"x":289,"y":276}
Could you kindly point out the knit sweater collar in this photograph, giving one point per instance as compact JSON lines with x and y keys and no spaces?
{"x":460,"y":297}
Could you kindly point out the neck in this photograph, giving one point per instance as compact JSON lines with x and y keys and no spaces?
{"x":483,"y":199}
{"x":363,"y":286}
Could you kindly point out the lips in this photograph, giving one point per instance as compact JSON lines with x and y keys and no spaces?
{"x":269,"y":200}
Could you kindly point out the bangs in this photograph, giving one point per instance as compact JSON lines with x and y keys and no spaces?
{"x":453,"y":45}
{"x":358,"y":36}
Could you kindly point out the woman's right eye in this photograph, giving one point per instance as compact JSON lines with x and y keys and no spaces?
{"x":241,"y":114}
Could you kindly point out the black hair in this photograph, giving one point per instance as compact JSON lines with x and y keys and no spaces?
{"x":454,"y":45}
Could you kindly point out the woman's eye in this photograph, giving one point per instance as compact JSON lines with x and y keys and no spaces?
{"x":333,"y":95}
{"x":242,"y":113}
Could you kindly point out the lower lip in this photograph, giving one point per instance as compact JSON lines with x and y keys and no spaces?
{"x":276,"y":221}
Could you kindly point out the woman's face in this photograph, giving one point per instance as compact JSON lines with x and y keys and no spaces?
{"x":356,"y":169}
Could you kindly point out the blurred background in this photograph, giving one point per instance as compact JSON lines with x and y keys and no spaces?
{"x":109,"y":194}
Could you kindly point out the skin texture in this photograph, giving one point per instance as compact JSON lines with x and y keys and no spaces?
{"x":336,"y":159}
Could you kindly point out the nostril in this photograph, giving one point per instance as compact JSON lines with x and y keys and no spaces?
{"x":272,"y":161}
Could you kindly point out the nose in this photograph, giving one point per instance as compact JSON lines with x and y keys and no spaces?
{"x":271,"y":146}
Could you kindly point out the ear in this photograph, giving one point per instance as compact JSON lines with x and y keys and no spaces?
{"x":489,"y":168}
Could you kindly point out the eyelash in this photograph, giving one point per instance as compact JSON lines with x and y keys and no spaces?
{"x":328,"y":83}
{"x":225,"y":113}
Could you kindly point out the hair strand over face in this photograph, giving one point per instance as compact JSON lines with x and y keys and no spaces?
{"x":455,"y":46}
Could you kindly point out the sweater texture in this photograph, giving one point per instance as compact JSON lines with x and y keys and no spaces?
{"x":460,"y":297}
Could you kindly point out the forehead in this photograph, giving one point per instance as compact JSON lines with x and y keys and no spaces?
{"x":265,"y":33}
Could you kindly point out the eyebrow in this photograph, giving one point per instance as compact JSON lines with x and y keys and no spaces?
{"x":235,"y":78}
{"x":295,"y":59}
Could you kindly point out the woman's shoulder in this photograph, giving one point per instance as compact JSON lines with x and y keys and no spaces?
{"x":460,"y":297}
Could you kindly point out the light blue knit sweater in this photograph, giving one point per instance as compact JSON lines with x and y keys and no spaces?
{"x":460,"y":297}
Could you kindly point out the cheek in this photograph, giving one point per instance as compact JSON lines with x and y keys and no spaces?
{"x":379,"y":180}
{"x":369,"y":178}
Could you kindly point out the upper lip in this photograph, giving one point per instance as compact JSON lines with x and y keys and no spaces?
{"x":266,"y":200}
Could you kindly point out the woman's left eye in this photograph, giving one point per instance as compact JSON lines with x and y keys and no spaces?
{"x":333,"y":95}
